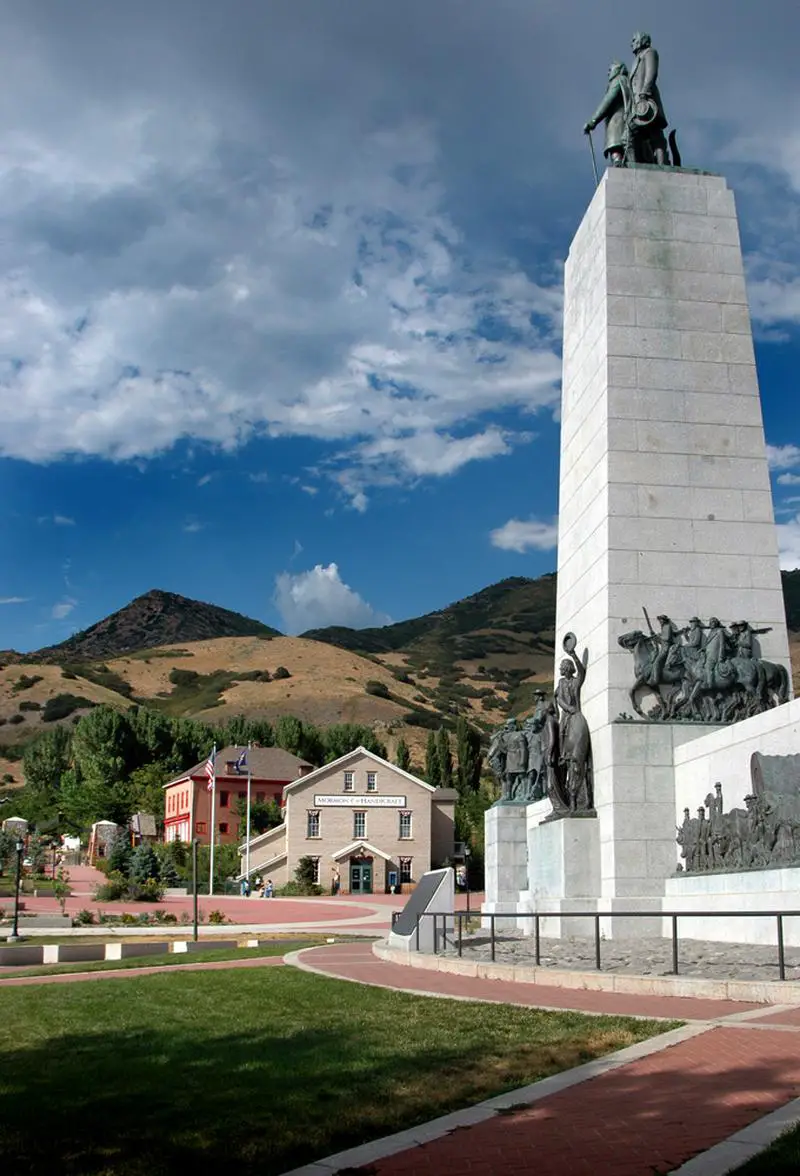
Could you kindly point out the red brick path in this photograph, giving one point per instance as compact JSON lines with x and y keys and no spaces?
{"x":646,"y":1117}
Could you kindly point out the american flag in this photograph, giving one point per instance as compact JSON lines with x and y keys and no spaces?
{"x":211,"y":768}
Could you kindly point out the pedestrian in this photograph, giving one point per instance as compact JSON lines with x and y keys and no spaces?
{"x":268,"y":889}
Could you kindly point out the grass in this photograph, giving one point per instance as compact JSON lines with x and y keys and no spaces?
{"x":168,"y":960}
{"x":255,"y":1071}
{"x":781,"y":1158}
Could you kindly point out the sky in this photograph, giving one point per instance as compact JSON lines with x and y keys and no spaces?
{"x":281,"y":288}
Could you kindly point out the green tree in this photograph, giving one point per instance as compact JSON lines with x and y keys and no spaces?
{"x":433,"y":772}
{"x":144,"y":864}
{"x":340,"y":738}
{"x":445,"y":758}
{"x":120,"y":854}
{"x":44,"y":762}
{"x":402,"y":755}
{"x":147,"y":787}
{"x":470,"y":759}
{"x":289,"y":734}
{"x":304,"y":875}
{"x":264,"y":815}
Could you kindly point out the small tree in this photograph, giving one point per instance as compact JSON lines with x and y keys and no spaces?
{"x":433,"y":772}
{"x":402,"y":755}
{"x":304,"y":873}
{"x":120,"y":854}
{"x":470,"y":760}
{"x":144,"y":864}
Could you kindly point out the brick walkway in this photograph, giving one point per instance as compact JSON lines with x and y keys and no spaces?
{"x":646,"y":1117}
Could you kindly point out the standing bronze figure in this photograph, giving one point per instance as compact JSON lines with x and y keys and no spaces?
{"x":573,"y":730}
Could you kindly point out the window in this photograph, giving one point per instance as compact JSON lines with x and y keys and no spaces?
{"x":372,"y":781}
{"x":223,"y":828}
{"x":359,"y":824}
{"x":312,"y":824}
{"x":405,"y":870}
{"x":316,"y":862}
{"x":200,"y":827}
{"x":405,"y":826}
{"x":260,"y":797}
{"x":349,"y":781}
{"x":223,"y":799}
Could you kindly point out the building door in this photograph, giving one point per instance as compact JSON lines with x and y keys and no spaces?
{"x":366,"y":879}
{"x":355,"y":878}
{"x":361,"y":877}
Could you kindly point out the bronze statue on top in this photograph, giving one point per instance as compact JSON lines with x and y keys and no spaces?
{"x":634,"y":112}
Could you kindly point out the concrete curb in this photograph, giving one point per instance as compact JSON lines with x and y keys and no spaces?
{"x":755,"y":991}
{"x":389,"y":1145}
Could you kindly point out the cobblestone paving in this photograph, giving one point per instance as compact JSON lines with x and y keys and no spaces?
{"x":642,"y":957}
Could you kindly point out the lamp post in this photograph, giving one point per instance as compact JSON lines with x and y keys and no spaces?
{"x":467,"y":853}
{"x":19,"y":846}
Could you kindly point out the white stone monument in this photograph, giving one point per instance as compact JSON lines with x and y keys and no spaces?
{"x":665,"y":505}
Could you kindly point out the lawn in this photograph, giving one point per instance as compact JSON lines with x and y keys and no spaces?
{"x":254,"y":1071}
{"x":782,"y":1158}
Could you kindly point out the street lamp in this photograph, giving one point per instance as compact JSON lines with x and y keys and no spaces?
{"x":467,"y":853}
{"x":19,"y":846}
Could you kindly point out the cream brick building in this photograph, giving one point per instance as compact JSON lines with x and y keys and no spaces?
{"x":367,"y":824}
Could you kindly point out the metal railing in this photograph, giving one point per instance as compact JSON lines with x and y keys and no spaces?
{"x":597,"y":917}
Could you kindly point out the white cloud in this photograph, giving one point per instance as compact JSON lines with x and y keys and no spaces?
{"x":788,"y":479}
{"x":789,"y":543}
{"x":192,"y":526}
{"x":319,"y":597}
{"x":783,"y":457}
{"x":206,"y":478}
{"x":14,"y":599}
{"x":525,"y":535}
{"x":358,"y":312}
{"x":63,"y":608}
{"x":63,"y":521}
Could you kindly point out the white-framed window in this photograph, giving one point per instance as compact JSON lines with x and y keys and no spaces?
{"x":405,"y":826}
{"x":349,"y":781}
{"x":372,"y":781}
{"x":316,"y":862}
{"x":312,"y":823}
{"x":406,"y":874}
{"x":359,"y":824}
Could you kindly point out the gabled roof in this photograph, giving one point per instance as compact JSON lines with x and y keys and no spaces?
{"x":265,"y":763}
{"x":361,"y":844}
{"x":344,"y":760}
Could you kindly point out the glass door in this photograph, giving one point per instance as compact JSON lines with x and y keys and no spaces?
{"x":355,"y":879}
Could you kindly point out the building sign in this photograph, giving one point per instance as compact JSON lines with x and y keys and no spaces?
{"x":368,"y":801}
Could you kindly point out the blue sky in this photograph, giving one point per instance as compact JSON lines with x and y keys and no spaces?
{"x":280,"y":291}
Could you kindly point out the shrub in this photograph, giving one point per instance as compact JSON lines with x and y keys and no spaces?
{"x":379,"y":689}
{"x":296,"y":890}
{"x":60,"y":706}
{"x":164,"y":917}
{"x":6,"y":778}
{"x":113,"y":889}
{"x":67,"y":673}
{"x":84,"y":918}
{"x":280,"y":672}
{"x":217,"y":917}
{"x":25,"y":681}
{"x":28,"y":704}
{"x":183,"y":677}
{"x":16,"y":719}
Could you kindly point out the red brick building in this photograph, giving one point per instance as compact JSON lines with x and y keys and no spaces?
{"x":187,"y":800}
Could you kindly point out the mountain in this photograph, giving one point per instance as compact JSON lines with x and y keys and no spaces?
{"x":156,"y":618}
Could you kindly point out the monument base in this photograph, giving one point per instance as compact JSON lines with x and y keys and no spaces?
{"x":505,"y":860}
{"x":749,"y":890}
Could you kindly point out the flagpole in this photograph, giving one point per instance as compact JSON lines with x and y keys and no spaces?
{"x":247,"y":845}
{"x":212,"y":825}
